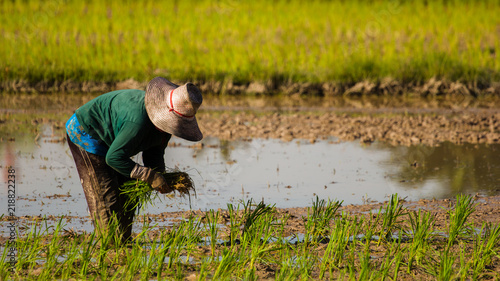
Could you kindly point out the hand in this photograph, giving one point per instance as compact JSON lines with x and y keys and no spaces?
{"x":155,"y":179}
{"x":160,"y":184}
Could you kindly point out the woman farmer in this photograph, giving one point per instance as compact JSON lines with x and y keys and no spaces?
{"x":107,"y":131}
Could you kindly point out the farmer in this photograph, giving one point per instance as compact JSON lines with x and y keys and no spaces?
{"x":107,"y":131}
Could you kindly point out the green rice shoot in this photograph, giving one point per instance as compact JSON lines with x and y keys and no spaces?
{"x":274,"y":247}
{"x":140,"y":193}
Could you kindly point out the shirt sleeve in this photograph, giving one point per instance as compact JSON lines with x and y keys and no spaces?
{"x":153,"y":158}
{"x":123,"y":147}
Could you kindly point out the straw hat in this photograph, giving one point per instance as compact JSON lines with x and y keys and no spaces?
{"x":172,"y":108}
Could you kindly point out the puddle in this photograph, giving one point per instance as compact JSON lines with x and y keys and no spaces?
{"x":287,"y":174}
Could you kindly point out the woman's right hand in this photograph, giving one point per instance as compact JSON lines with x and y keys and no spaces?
{"x":155,"y":179}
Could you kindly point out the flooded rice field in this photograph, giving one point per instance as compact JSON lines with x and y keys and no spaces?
{"x":280,"y":150}
{"x":290,"y":153}
{"x":288,"y":174}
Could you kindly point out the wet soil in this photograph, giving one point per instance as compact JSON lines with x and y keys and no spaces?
{"x":395,"y":128}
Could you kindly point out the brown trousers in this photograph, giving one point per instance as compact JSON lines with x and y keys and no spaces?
{"x":101,"y":185}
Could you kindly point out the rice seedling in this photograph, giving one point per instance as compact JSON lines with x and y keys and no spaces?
{"x":297,"y":263}
{"x":464,"y":207}
{"x":364,"y":256}
{"x":52,"y":251}
{"x":5,"y":266}
{"x":446,"y":262}
{"x":250,"y":216}
{"x":212,"y":219}
{"x":204,"y":268}
{"x":134,"y":258}
{"x":393,"y":261}
{"x":484,"y":249}
{"x":258,"y":241}
{"x":87,"y":252}
{"x":185,"y":239}
{"x":179,"y":251}
{"x":147,"y":270}
{"x":306,"y":263}
{"x":321,"y":213}
{"x":166,"y":241}
{"x":287,"y":269}
{"x":365,"y":267}
{"x":140,"y":193}
{"x":256,"y":244}
{"x":229,"y":261}
{"x":421,"y":227}
{"x":70,"y":257}
{"x":396,"y":253}
{"x":234,"y":223}
{"x":29,"y":246}
{"x":398,"y":261}
{"x":392,"y":215}
{"x":340,"y":237}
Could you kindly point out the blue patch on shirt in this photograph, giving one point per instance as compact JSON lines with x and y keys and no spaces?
{"x":79,"y":137}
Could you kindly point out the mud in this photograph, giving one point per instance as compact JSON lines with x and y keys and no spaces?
{"x":396,"y":129}
{"x":393,"y":128}
{"x":387,"y":86}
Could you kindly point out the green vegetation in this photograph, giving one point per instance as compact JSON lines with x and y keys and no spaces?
{"x":254,"y":241}
{"x":243,"y":41}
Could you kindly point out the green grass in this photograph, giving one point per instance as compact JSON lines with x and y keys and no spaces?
{"x":264,"y":248}
{"x":241,"y":41}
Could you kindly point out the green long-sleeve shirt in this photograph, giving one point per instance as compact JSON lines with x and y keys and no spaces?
{"x":120,"y":120}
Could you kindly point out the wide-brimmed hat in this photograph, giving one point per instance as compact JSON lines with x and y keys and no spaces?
{"x":172,"y":108}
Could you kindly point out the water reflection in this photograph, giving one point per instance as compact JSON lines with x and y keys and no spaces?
{"x":8,"y":159}
{"x":291,"y":174}
{"x":467,"y":168}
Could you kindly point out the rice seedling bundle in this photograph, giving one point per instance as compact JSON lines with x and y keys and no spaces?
{"x":140,"y":193}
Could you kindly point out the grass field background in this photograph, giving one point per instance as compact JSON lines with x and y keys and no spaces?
{"x":282,"y":41}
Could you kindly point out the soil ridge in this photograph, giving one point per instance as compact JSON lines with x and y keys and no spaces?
{"x":387,"y":86}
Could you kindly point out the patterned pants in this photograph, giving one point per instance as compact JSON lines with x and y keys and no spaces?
{"x":101,"y":186}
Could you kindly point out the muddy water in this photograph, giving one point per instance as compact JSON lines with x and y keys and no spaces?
{"x":288,"y":174}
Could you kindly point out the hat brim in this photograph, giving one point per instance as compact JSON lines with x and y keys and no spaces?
{"x":157,"y":95}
